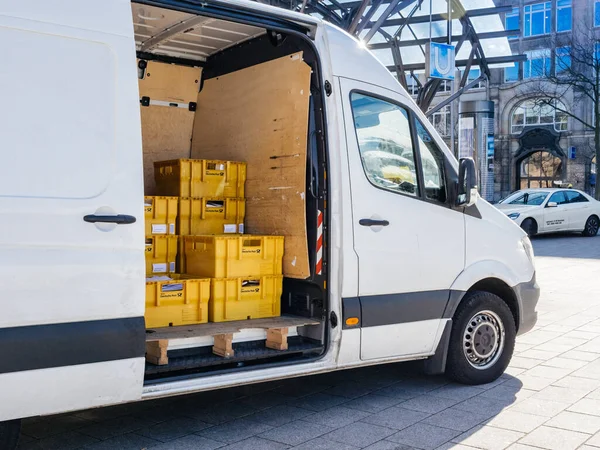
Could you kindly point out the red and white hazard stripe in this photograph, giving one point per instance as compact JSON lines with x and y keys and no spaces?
{"x":319,"y":243}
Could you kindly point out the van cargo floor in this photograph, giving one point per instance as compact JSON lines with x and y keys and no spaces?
{"x":202,"y":359}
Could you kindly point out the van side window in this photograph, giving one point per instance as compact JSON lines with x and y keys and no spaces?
{"x":385,"y":144}
{"x":432,"y":161}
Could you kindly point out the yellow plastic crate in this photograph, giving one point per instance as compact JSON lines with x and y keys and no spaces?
{"x":245,"y":298}
{"x":232,"y":256}
{"x":200,"y":178}
{"x":198,"y":216}
{"x":160,"y":214}
{"x":179,"y":301}
{"x":161,"y":254}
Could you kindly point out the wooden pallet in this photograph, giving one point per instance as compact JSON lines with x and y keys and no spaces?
{"x":157,"y":339}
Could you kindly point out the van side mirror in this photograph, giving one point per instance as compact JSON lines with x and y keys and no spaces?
{"x":551,"y":205}
{"x":467,"y":183}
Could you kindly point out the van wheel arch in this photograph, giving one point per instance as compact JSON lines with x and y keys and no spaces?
{"x":502,"y":290}
{"x":436,"y":364}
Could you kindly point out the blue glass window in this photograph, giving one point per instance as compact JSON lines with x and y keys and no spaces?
{"x":537,"y":64}
{"x":562,"y":62}
{"x":475,"y":73}
{"x":511,"y":73}
{"x":537,"y":19}
{"x":511,"y":21}
{"x":564,"y":15}
{"x":597,"y":13}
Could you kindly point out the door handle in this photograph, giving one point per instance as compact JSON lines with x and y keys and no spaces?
{"x":119,"y":219}
{"x":373,"y":223}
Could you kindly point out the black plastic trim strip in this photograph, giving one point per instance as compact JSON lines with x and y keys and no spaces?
{"x":351,"y":308}
{"x":472,"y":211}
{"x":67,"y":344}
{"x":453,"y":302}
{"x":393,"y":309}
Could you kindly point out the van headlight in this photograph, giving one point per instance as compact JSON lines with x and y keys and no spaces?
{"x":526,"y":243}
{"x":514,"y":216}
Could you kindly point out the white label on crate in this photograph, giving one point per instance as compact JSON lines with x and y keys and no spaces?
{"x":241,"y":228}
{"x":171,"y":228}
{"x":159,"y":229}
{"x":171,"y":267}
{"x":158,"y":278}
{"x":230,"y":228}
{"x":172,"y":287}
{"x":159,"y":268}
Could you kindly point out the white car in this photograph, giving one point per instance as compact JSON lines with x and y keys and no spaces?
{"x":550,"y":210}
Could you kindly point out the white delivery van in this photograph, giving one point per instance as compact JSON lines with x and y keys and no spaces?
{"x":403,"y":260}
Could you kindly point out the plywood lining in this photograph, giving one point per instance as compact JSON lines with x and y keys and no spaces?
{"x":260,"y":115}
{"x":166,"y":131}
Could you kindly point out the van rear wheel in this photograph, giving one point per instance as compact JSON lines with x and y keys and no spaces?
{"x":482,"y":340}
{"x":9,"y":434}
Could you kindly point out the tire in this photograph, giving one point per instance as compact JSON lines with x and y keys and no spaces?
{"x":489,"y":317}
{"x":9,"y":434}
{"x":591,"y":226}
{"x":529,"y":226}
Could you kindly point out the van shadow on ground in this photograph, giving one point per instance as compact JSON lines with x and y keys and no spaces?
{"x":391,"y":406}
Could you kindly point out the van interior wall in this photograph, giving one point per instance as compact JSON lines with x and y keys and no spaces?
{"x":167,"y":130}
{"x":259,"y":114}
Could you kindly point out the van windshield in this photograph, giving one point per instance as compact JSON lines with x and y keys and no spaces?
{"x":526,"y":198}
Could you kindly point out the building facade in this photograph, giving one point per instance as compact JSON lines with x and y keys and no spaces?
{"x":536,"y":146}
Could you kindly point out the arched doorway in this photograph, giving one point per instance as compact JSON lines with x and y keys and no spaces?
{"x":539,"y":170}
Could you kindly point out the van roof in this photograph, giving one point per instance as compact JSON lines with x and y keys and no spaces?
{"x":195,"y":37}
{"x":190,"y":35}
{"x":271,"y":10}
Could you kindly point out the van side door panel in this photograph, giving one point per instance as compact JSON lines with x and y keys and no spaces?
{"x":410,"y":244}
{"x":72,"y":325}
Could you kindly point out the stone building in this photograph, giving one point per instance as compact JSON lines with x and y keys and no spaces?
{"x":536,"y":146}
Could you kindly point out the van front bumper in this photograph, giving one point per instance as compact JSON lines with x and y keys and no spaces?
{"x":528,"y":294}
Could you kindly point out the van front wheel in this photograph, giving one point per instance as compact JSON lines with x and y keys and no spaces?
{"x":9,"y":434}
{"x":482,"y":340}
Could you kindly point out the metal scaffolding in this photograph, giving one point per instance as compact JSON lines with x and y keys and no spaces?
{"x":398,"y":31}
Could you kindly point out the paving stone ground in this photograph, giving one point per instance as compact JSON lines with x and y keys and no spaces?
{"x":549,"y":398}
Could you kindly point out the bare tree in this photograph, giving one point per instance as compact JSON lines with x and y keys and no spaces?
{"x":573,"y":78}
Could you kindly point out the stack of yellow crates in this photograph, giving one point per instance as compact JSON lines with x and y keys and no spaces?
{"x":171,"y":299}
{"x":245,"y":271}
{"x":203,"y":202}
{"x":211,"y":194}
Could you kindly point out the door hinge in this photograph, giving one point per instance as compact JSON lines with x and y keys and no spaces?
{"x":328,"y":89}
{"x":333,"y":319}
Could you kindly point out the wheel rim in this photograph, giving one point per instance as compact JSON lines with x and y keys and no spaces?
{"x":483,"y":339}
{"x":592,"y":226}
